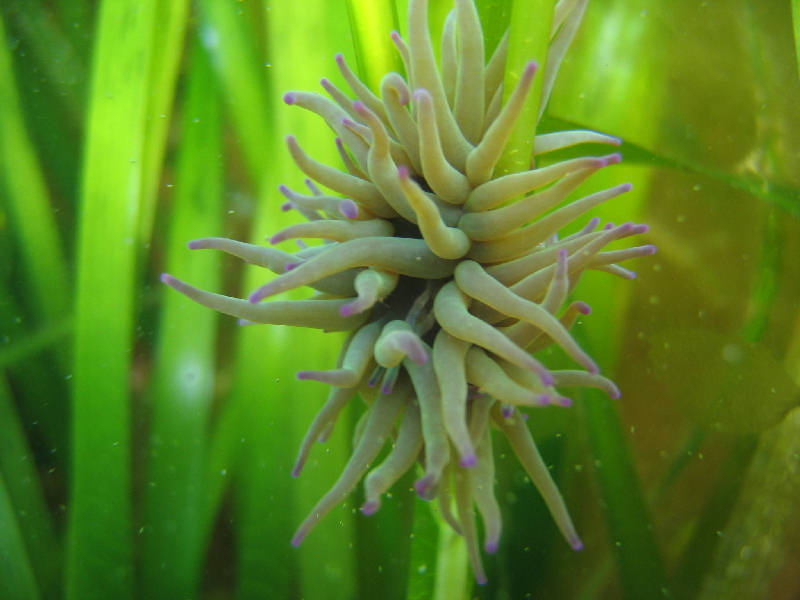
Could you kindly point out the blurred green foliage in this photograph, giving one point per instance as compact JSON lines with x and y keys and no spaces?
{"x":146,"y":443}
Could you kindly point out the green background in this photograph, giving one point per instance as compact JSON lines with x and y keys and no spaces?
{"x":146,"y":442}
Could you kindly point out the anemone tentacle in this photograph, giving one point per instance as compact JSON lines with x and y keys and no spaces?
{"x":447,"y":277}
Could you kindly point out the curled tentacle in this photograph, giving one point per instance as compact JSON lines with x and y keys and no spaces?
{"x":355,"y":360}
{"x":450,"y":308}
{"x":444,"y":241}
{"x":446,"y":181}
{"x":371,"y":286}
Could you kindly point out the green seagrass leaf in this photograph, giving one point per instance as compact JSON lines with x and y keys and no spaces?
{"x":796,"y":27}
{"x":723,"y":383}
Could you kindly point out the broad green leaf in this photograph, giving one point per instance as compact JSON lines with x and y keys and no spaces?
{"x":529,"y":39}
{"x":99,"y":562}
{"x":171,"y":20}
{"x":176,"y":491}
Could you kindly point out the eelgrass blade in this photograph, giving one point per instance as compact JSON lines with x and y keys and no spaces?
{"x":99,"y":553}
{"x":453,"y":579}
{"x":495,"y":18}
{"x":785,"y":197}
{"x":796,"y":29}
{"x":227,"y":30}
{"x":698,"y":555}
{"x":370,"y":23}
{"x":17,"y":581}
{"x":529,"y":39}
{"x":422,"y":566}
{"x":27,"y":201}
{"x":26,"y":500}
{"x":758,"y":537}
{"x":27,"y":368}
{"x":630,"y":528}
{"x":47,"y":39}
{"x":176,"y":493}
{"x":171,"y":19}
{"x":51,"y":80}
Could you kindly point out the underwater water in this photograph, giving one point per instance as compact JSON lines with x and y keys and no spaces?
{"x":147,"y":443}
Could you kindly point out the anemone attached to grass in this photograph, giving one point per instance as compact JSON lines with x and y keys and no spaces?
{"x":447,"y":276}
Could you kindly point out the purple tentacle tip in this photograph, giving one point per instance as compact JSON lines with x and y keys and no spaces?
{"x":402,"y":172}
{"x":288,"y":205}
{"x":348,"y":208}
{"x":167,"y":279}
{"x":614,"y":392}
{"x":546,"y":377}
{"x":350,"y":309}
{"x":507,"y":411}
{"x":530,"y":68}
{"x":258,"y":295}
{"x":562,"y":401}
{"x":481,"y":579}
{"x":424,"y":487}
{"x":289,"y":98}
{"x":291,"y":265}
{"x":575,"y":542}
{"x":370,"y":507}
{"x":298,"y":538}
{"x":468,"y":461}
{"x":583,"y":308}
{"x":195,"y":244}
{"x":626,"y":187}
{"x":491,"y":546}
{"x":278,"y":237}
{"x":612,"y":159}
{"x":421,"y":93}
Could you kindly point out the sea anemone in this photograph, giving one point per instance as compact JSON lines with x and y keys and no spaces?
{"x":448,"y":275}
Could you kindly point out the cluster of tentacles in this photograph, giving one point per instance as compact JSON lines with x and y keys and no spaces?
{"x":447,"y":277}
